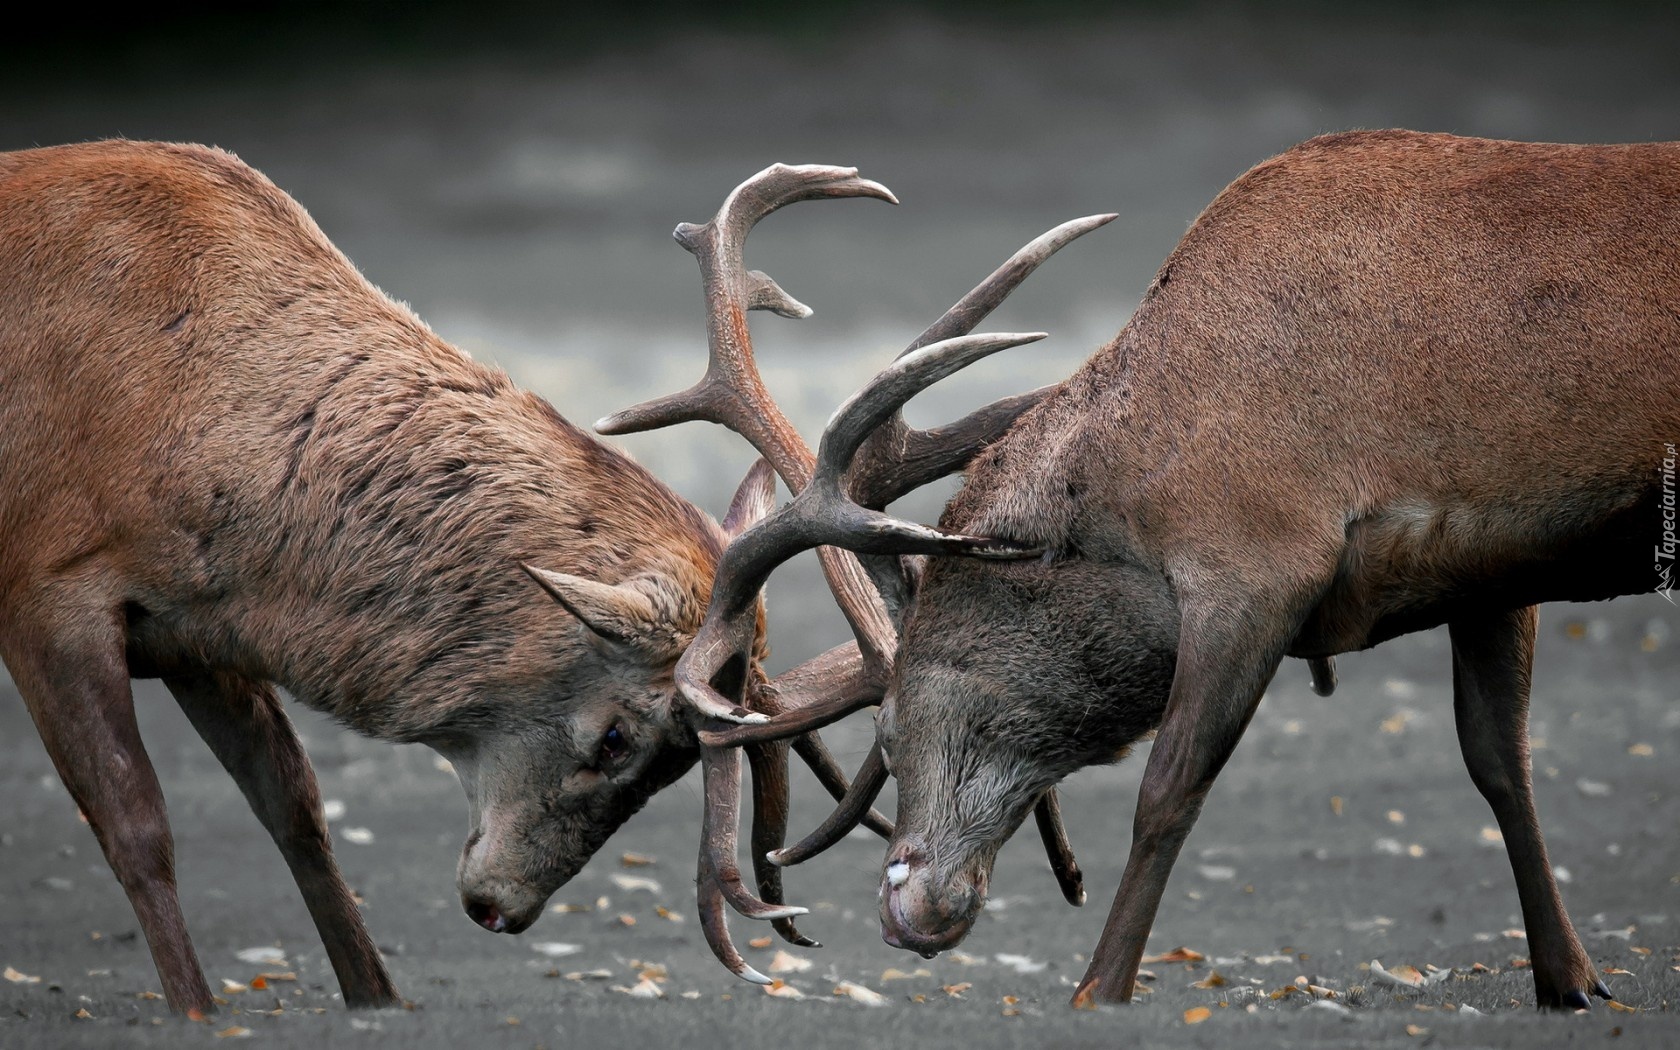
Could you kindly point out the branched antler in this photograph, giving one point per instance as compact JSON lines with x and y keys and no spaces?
{"x":867,"y":458}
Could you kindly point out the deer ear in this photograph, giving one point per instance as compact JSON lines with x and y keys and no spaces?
{"x":617,"y":613}
{"x":753,"y":500}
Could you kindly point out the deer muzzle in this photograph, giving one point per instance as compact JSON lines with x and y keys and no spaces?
{"x":923,"y":910}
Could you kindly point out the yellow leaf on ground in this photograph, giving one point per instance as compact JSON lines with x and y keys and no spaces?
{"x":1416,"y":1030}
{"x":759,"y":942}
{"x":1214,"y":979}
{"x":1197,"y":1014}
{"x":780,"y":989}
{"x":1179,"y":954}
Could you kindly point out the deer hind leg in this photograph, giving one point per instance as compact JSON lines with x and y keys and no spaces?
{"x":1493,"y":657}
{"x":75,"y":683}
{"x":246,"y":726}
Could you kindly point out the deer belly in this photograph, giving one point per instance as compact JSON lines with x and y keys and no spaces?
{"x":1416,"y":567}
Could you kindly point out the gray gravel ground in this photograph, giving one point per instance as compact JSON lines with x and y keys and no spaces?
{"x":520,"y":199}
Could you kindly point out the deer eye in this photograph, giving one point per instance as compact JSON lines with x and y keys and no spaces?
{"x":614,"y":746}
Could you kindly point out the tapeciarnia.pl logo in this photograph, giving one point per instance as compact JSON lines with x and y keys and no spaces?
{"x":1665,"y":550}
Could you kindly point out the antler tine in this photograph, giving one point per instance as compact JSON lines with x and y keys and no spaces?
{"x":721,"y":771}
{"x":896,"y":458}
{"x":871,"y":777}
{"x":810,"y":747}
{"x":1057,"y":847}
{"x":731,"y":391}
{"x":821,"y":515}
{"x":769,"y":766}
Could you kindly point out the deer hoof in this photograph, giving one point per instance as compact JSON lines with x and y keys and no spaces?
{"x":1575,"y":999}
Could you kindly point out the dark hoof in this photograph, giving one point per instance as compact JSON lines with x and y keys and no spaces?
{"x":1575,"y":999}
{"x":1602,"y":992}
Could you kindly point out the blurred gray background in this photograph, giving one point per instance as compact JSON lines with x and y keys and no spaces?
{"x":513,"y":171}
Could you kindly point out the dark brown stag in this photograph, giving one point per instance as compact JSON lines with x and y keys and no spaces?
{"x":1387,"y":381}
{"x":713,"y":675}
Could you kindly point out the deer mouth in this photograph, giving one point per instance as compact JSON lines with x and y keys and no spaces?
{"x":918,"y":917}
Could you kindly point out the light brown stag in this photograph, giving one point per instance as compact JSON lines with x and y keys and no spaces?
{"x":228,"y":461}
{"x":1387,"y":381}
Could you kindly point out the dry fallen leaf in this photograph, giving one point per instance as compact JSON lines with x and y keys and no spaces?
{"x":1619,"y":971}
{"x":627,"y":920}
{"x":633,"y":883}
{"x":1179,"y":954}
{"x":667,"y":914}
{"x":858,"y":992}
{"x":1336,"y":804}
{"x":651,"y":971}
{"x":955,"y":990}
{"x":555,"y":949}
{"x":266,"y":953}
{"x":1214,"y":979}
{"x":1621,"y":1007}
{"x":787,"y":962}
{"x":566,"y":909}
{"x":759,"y":942}
{"x":642,"y":990}
{"x":147,"y":995}
{"x":234,"y":1032}
{"x":1197,"y":1014}
{"x":780,"y":989}
{"x":1416,"y":1030}
{"x":268,"y":975}
{"x":1640,"y":951}
{"x":1641,"y":750}
{"x":895,"y":974}
{"x":635,"y":860}
{"x":82,"y":1015}
{"x":1514,"y":934}
{"x":233,"y":987}
{"x":18,"y":977}
{"x":1401,"y":976}
{"x":259,"y":983}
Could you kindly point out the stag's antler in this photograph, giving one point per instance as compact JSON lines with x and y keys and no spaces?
{"x":835,"y":505}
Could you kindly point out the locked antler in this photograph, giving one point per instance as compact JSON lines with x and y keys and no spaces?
{"x":834,"y":505}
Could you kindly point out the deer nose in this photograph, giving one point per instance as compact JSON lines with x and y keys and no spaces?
{"x":917,"y":914}
{"x":486,"y":914}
